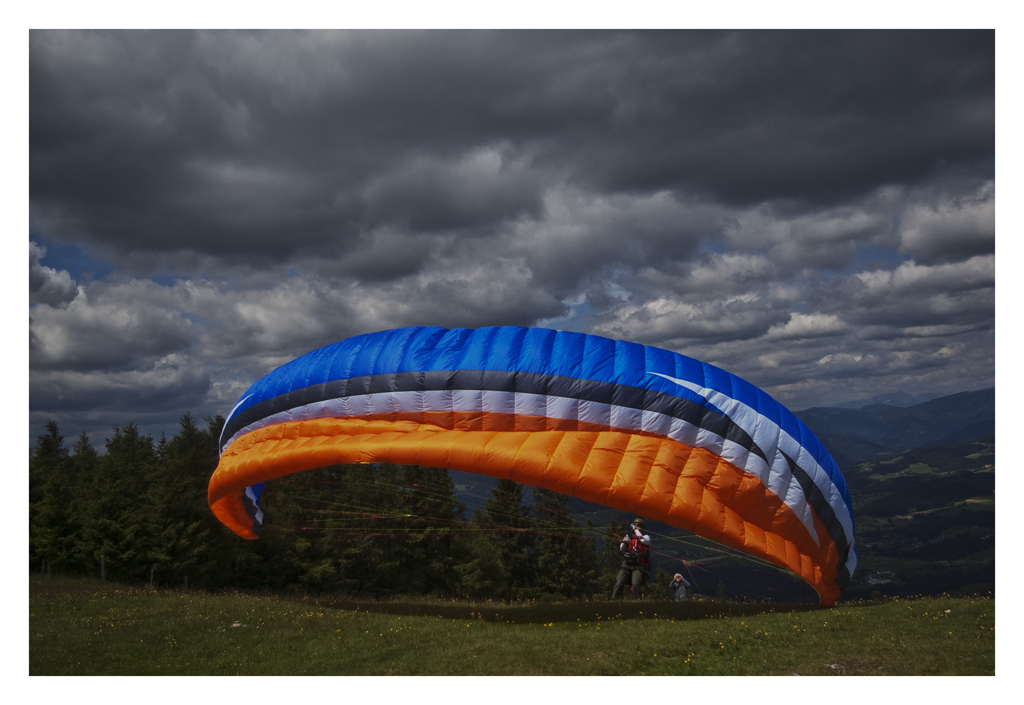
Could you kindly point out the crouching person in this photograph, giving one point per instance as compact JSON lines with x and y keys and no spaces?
{"x":678,"y":586}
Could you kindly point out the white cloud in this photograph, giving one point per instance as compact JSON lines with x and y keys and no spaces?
{"x":48,"y":285}
{"x":109,"y":326}
{"x":815,"y":325}
{"x":912,"y":278}
{"x":822,"y":238}
{"x":667,"y":320}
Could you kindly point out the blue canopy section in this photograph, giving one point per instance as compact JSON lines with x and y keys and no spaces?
{"x":534,"y":350}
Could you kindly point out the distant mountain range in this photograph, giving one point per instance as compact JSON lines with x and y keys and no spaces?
{"x":899,"y":399}
{"x":856,"y":435}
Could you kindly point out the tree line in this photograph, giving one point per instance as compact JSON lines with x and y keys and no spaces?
{"x":375,"y":529}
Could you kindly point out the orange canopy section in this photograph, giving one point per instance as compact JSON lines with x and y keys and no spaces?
{"x":663,"y":479}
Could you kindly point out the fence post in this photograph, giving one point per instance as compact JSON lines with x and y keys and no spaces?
{"x":42,"y":568}
{"x":103,"y":570}
{"x":151,"y":577}
{"x":186,"y":583}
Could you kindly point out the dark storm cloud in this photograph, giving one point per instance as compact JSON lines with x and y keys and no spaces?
{"x":808,"y":116}
{"x":811,"y":210}
{"x":257,"y":145}
{"x":951,"y":227}
{"x":431,"y":194}
{"x":171,"y":384}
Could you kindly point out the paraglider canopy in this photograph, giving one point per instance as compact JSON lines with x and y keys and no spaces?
{"x":621,"y":424}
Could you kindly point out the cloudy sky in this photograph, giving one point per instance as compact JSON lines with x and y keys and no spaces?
{"x":813,"y":211}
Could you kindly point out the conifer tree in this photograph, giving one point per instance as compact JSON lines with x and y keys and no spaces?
{"x":47,"y":491}
{"x":511,"y":539}
{"x":480,"y":573}
{"x":301,"y":518}
{"x":434,"y":515}
{"x":567,"y":563}
{"x":116,"y":521}
{"x":611,"y":558}
{"x":49,"y":456}
{"x":179,"y":520}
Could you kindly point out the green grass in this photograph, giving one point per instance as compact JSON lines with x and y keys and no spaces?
{"x":79,"y":627}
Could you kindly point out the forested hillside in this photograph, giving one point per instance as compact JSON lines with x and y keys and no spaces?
{"x":371,"y":529}
{"x":925,"y":518}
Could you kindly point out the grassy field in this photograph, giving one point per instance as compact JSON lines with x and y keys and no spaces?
{"x":79,"y":627}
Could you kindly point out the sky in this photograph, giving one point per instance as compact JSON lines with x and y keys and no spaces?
{"x":813,"y":211}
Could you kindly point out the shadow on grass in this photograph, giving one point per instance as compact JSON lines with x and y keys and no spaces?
{"x":547,"y":612}
{"x":517,"y":613}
